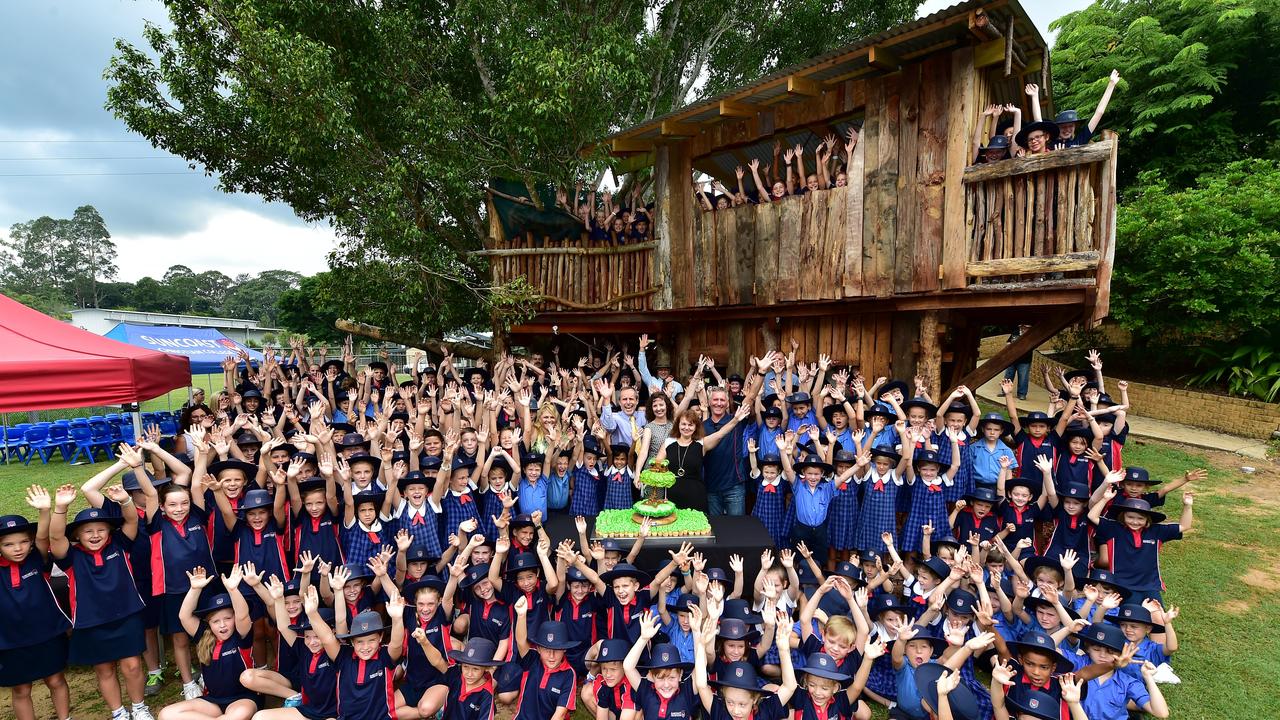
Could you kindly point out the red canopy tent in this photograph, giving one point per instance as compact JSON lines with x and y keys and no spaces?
{"x":46,"y":363}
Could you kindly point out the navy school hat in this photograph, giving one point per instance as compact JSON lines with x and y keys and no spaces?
{"x":477,"y":651}
{"x":735,"y":629}
{"x":256,"y":498}
{"x":1033,"y":485}
{"x":852,"y":573}
{"x":573,"y":574}
{"x":532,"y":458}
{"x":365,"y":623}
{"x":247,"y":438}
{"x":376,"y":462}
{"x":625,"y":570}
{"x":1049,"y":128}
{"x":739,"y":609}
{"x":522,"y":520}
{"x":413,"y":477}
{"x":249,"y":469}
{"x":590,"y":445}
{"x":886,"y":452}
{"x":130,"y":480}
{"x":217,"y":602}
{"x":474,"y":574}
{"x":430,"y":462}
{"x":521,"y":562}
{"x":963,"y":703}
{"x":1108,"y":635}
{"x":665,"y":655}
{"x":805,"y":575}
{"x":304,"y":623}
{"x":368,"y":496}
{"x":1072,"y":375}
{"x":962,"y":602}
{"x":1036,"y":600}
{"x":304,"y":456}
{"x":1074,"y":491}
{"x":981,"y":493}
{"x":770,"y":459}
{"x":799,"y":398}
{"x":611,"y":545}
{"x":882,"y":409}
{"x":927,"y":456}
{"x":681,"y":602}
{"x":1137,"y":474}
{"x":884,"y":602}
{"x":1105,"y":577}
{"x":10,"y":524}
{"x":401,"y":416}
{"x":1035,"y":562}
{"x":311,"y":483}
{"x":417,"y":553}
{"x":614,"y":650}
{"x":845,"y":457}
{"x":1138,"y":505}
{"x":771,"y":412}
{"x":937,"y":566}
{"x":293,"y":588}
{"x":1135,"y":614}
{"x":829,"y":411}
{"x":927,"y":634}
{"x":378,"y":365}
{"x":358,"y":571}
{"x":892,"y":385}
{"x":997,"y":418}
{"x":1039,"y":641}
{"x":740,"y":674}
{"x":1034,"y":416}
{"x":1035,"y":703}
{"x":824,"y":666}
{"x":997,"y":142}
{"x":90,"y":515}
{"x":960,"y":407}
{"x":929,"y":408}
{"x":816,"y":462}
{"x":352,"y":439}
{"x":947,"y":540}
{"x":553,"y":635}
{"x":1066,"y":116}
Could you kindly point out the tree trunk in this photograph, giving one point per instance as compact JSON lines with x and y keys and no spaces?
{"x":439,"y":347}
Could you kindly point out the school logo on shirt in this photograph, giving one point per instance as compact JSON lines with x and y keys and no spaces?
{"x":112,"y":556}
{"x":737,"y":672}
{"x":375,"y":675}
{"x":555,"y":690}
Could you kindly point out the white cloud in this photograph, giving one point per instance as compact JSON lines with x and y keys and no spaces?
{"x":231,"y":241}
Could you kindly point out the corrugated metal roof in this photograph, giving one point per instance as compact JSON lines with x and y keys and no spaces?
{"x":756,"y":93}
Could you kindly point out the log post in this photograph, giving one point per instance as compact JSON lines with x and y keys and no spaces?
{"x":929,"y":363}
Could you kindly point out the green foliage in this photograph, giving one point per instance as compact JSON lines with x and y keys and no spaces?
{"x":1249,"y":367}
{"x":1200,"y":263}
{"x":309,"y":310}
{"x":1199,"y":86}
{"x":387,"y":119}
{"x":59,"y":262}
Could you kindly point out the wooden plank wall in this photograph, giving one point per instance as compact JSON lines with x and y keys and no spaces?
{"x":858,"y":340}
{"x":584,"y":280}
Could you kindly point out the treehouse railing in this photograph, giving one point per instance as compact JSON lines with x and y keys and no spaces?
{"x":1051,"y":216}
{"x":577,"y":274}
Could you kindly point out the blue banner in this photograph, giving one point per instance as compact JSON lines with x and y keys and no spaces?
{"x":205,"y":347}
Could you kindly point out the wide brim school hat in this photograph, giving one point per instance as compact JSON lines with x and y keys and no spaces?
{"x":770,"y":459}
{"x":814,"y":461}
{"x":926,"y":457}
{"x":413,"y":477}
{"x":553,"y":635}
{"x":249,"y":469}
{"x":311,"y":483}
{"x":522,"y":520}
{"x":844,"y":457}
{"x":959,"y":407}
{"x":1036,"y":600}
{"x":252,"y":392}
{"x":1074,"y":491}
{"x":681,"y":602}
{"x":938,"y":642}
{"x":462,"y":462}
{"x":368,"y":622}
{"x":937,"y":566}
{"x":368,"y":496}
{"x":1040,"y":642}
{"x":254,"y":499}
{"x":1077,"y":431}
{"x":482,"y":372}
{"x":1035,"y":562}
{"x":739,"y":609}
{"x":772,"y":412}
{"x":851,"y":572}
{"x":532,"y":458}
{"x":881,"y":409}
{"x":1034,"y":703}
{"x":886,"y":452}
{"x":829,"y":411}
{"x":1035,"y":416}
{"x":333,"y":364}
{"x":824,"y":666}
{"x":217,"y":602}
{"x":717,"y":575}
{"x":1032,"y":484}
{"x":1103,"y":577}
{"x":929,"y":408}
{"x":477,"y":651}
{"x":1046,"y":126}
{"x":735,"y":629}
{"x":521,"y":562}
{"x":997,"y":418}
{"x":352,"y":439}
{"x":372,"y":460}
{"x":417,"y":553}
{"x":1134,"y":614}
{"x":1137,"y":474}
{"x":997,"y":142}
{"x":799,"y":398}
{"x":247,"y":438}
{"x":619,"y":448}
{"x":962,"y":602}
{"x":963,"y":703}
{"x":1138,"y":505}
{"x":358,"y":571}
{"x":665,"y":655}
{"x":378,"y":365}
{"x":1106,"y":634}
{"x":613,"y":650}
{"x":740,"y":675}
{"x":981,"y":494}
{"x":10,"y":524}
{"x":304,"y":622}
{"x":883,"y":603}
{"x":626,"y":570}
{"x":474,"y":574}
{"x":130,"y":481}
{"x":947,"y":540}
{"x":892,"y":385}
{"x":1067,"y":116}
{"x":92,"y":515}
{"x":433,"y":583}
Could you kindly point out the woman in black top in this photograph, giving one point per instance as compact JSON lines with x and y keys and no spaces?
{"x":683,"y":453}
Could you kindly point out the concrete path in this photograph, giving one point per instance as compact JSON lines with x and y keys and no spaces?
{"x":1038,"y":399}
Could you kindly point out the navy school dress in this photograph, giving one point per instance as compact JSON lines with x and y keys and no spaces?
{"x":36,"y":647}
{"x":457,"y":507}
{"x":176,"y":549}
{"x":365,"y":689}
{"x":772,"y":510}
{"x":221,"y":675}
{"x":106,"y":610}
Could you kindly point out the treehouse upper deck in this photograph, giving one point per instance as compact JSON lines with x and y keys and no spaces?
{"x":916,"y":229}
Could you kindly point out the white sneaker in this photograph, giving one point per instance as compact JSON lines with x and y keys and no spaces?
{"x":142,"y":713}
{"x":191,"y":691}
{"x":1166,"y":676}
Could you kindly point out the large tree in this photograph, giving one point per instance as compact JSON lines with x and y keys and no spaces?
{"x":63,"y":260}
{"x":387,"y":119}
{"x":1200,"y":86}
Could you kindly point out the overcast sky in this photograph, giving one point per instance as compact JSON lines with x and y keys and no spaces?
{"x":59,"y":148}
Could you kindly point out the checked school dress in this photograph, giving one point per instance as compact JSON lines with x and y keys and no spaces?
{"x":772,"y":510}
{"x":928,"y":507}
{"x":843,"y":517}
{"x":617,"y":492}
{"x":457,"y":507}
{"x":423,"y":526}
{"x":879,"y":509}
{"x":585,"y":498}
{"x":962,"y":482}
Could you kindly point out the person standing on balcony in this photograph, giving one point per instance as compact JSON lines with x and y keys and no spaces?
{"x":1021,"y":368}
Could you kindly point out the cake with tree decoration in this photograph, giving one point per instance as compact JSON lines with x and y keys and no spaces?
{"x":664,"y":517}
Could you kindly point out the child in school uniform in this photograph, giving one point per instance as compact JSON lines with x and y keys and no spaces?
{"x":664,"y":691}
{"x":523,"y":578}
{"x":1134,"y":534}
{"x":629,"y":591}
{"x":1107,"y":696}
{"x":958,"y":414}
{"x":843,"y":513}
{"x":106,"y":610}
{"x":255,"y":528}
{"x":973,"y":515}
{"x":878,"y":473}
{"x":813,"y":490}
{"x":618,"y":479}
{"x":888,"y":614}
{"x":234,"y":478}
{"x":365,"y":666}
{"x":223,"y":634}
{"x":487,"y":616}
{"x":1069,"y":508}
{"x":739,"y":695}
{"x":578,"y":604}
{"x":534,"y":485}
{"x":364,"y":534}
{"x":1150,"y":628}
{"x":176,"y":522}
{"x":455,"y":493}
{"x":771,"y":495}
{"x":466,"y":691}
{"x":316,"y":676}
{"x":988,"y":453}
{"x":428,"y":607}
{"x":927,"y":478}
{"x":412,"y":512}
{"x":315,"y":527}
{"x":548,"y":687}
{"x":36,"y":647}
{"x":584,"y":496}
{"x":1022,"y":505}
{"x":608,"y":690}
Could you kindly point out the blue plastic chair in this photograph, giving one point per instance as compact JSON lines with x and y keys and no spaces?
{"x":15,"y":444}
{"x":38,"y":442}
{"x":112,"y":417}
{"x":82,"y":439}
{"x":103,"y":437}
{"x":168,"y":427}
{"x":60,"y":439}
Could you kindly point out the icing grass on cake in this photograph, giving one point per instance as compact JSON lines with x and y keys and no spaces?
{"x":659,"y":510}
{"x":618,"y":523}
{"x":658,"y":478}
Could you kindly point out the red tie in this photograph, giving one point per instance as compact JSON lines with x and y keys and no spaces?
{"x":418,"y":520}
{"x":919,"y":600}
{"x":771,"y":488}
{"x":879,"y":486}
{"x":934,"y":488}
{"x":464,"y":498}
{"x":843,"y":486}
{"x":15,"y":572}
{"x":373,"y":538}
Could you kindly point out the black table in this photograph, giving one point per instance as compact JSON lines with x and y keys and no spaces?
{"x":744,"y":536}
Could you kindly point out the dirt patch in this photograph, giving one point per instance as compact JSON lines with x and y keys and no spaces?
{"x":1235,"y":607}
{"x":1262,"y":486}
{"x":1263,"y":579}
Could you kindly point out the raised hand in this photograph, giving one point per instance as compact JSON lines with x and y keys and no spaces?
{"x":38,"y":498}
{"x":232,"y":580}
{"x":199,"y":579}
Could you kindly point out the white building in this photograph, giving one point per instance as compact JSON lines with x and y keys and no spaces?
{"x":100,"y":321}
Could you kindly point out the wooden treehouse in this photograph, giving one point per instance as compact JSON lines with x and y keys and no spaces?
{"x":900,"y":269}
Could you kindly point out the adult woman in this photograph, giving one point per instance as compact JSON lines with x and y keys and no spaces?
{"x":191,"y":417}
{"x":546,"y":425}
{"x":683,"y":454}
{"x":656,"y":431}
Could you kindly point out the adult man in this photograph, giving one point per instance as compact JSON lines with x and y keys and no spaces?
{"x":722,"y":466}
{"x":625,"y":426}
{"x":664,"y":382}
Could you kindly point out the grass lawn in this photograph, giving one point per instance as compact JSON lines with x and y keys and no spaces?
{"x":1224,"y":575}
